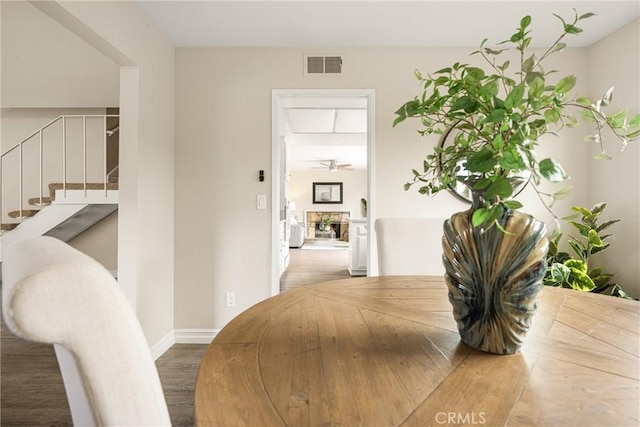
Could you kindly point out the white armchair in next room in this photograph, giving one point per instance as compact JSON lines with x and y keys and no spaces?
{"x":296,"y":237}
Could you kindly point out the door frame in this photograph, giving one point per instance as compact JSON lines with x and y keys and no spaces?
{"x":277,"y":168}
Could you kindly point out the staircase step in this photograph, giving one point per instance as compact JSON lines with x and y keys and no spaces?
{"x":8,"y":226}
{"x":79,"y":186}
{"x":37,"y":201}
{"x":25,"y":213}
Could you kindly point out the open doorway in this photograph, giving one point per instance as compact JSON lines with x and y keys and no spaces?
{"x":322,"y":166}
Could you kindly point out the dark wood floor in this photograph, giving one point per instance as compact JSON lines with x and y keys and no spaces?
{"x":31,"y":389}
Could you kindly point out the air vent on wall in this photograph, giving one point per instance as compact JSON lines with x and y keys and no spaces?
{"x":317,"y":64}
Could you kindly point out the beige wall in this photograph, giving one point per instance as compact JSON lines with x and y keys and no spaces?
{"x":354,"y":185}
{"x":223,"y":137}
{"x":100,"y":242}
{"x":615,"y":62}
{"x":145,"y":229}
{"x":45,"y":65}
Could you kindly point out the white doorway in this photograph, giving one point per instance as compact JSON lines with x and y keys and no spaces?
{"x":323,"y":99}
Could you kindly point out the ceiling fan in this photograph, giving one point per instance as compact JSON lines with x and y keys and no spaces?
{"x":333,"y":165}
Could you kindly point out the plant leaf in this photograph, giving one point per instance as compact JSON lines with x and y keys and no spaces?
{"x":606,"y":98}
{"x":536,"y":87}
{"x":514,"y":99}
{"x":552,"y":171}
{"x":566,"y":84}
{"x":500,"y":187}
{"x":594,"y":239}
{"x":512,"y":204}
{"x":580,"y":280}
{"x":496,"y":115}
{"x":482,"y":161}
{"x":479,"y":216}
{"x":562,"y":193}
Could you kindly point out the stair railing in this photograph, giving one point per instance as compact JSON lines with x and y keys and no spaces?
{"x":40,"y":132}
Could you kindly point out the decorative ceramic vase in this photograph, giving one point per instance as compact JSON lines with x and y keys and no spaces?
{"x":494,"y":277}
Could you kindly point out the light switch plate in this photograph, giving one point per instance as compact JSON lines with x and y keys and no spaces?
{"x":261,"y":202}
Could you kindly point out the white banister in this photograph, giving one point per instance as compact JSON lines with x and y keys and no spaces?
{"x":64,"y":155}
{"x":40,"y":181}
{"x":22,"y":166}
{"x":104,"y":139}
{"x":84,"y":154}
{"x":20,"y":175}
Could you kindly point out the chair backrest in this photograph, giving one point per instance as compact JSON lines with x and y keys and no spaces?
{"x":409,"y":246}
{"x":52,"y":293}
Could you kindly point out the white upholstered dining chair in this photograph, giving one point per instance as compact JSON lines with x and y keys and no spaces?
{"x":52,"y":293}
{"x":409,"y":246}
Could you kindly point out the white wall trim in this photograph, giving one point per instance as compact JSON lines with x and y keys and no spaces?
{"x":276,"y":96}
{"x":182,"y":336}
{"x":195,"y":336}
{"x":164,"y":344}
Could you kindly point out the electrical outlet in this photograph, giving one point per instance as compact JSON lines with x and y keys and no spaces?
{"x":231,"y":299}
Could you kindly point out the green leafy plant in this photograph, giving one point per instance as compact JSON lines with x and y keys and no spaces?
{"x":326,"y":222}
{"x":499,"y":119}
{"x":567,"y":271}
{"x":363,"y":202}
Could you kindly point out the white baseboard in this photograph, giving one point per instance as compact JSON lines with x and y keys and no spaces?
{"x":182,"y":336}
{"x":195,"y":336}
{"x":163,"y":345}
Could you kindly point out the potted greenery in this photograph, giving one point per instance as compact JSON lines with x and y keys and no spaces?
{"x":494,"y":255}
{"x":500,"y":118}
{"x":571,"y":272}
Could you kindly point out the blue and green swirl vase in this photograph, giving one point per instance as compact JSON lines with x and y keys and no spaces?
{"x":494,"y":277}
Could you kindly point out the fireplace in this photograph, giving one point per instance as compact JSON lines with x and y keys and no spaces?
{"x":338,"y":225}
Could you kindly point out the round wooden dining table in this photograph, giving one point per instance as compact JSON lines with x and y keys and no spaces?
{"x":385,"y":351}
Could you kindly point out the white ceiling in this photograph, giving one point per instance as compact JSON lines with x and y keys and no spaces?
{"x":321,"y":134}
{"x":357,"y":23}
{"x":317,"y":131}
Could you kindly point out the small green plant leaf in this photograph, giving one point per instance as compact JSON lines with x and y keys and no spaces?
{"x":577,"y":264}
{"x":479,"y":216}
{"x":606,"y":98}
{"x":580,"y":280}
{"x":552,"y":171}
{"x":562,"y":193}
{"x":482,"y":161}
{"x":566,"y":84}
{"x":536,"y":87}
{"x":560,"y":273}
{"x":551,"y":116}
{"x":500,"y":187}
{"x":496,"y":115}
{"x":514,"y":98}
{"x":465,"y":103}
{"x":594,"y":239}
{"x":482,"y":184}
{"x":512,"y":204}
{"x":602,"y":156}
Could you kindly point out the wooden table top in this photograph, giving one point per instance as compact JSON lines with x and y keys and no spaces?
{"x":385,"y":351}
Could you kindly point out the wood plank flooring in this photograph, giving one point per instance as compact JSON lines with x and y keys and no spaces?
{"x":31,"y":389}
{"x":314,"y":266}
{"x":32,"y":393}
